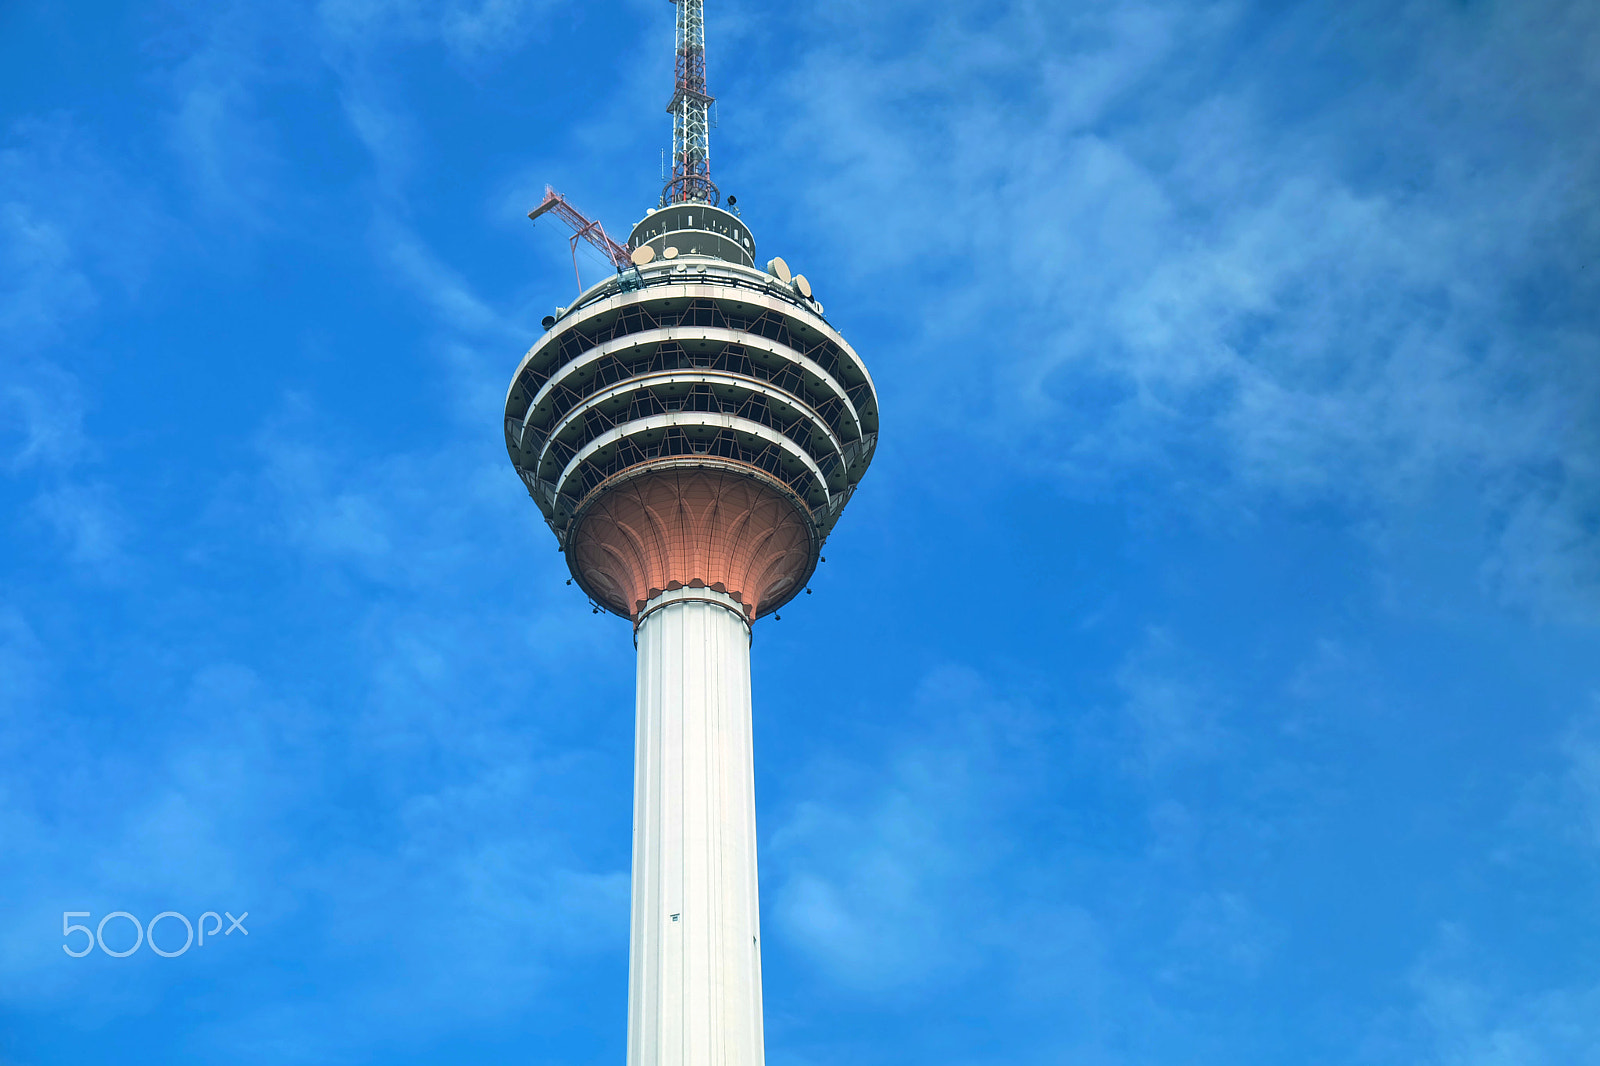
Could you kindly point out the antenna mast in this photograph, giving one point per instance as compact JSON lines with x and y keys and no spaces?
{"x":691,"y":113}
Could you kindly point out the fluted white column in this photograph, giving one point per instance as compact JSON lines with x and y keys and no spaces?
{"x":694,"y":981}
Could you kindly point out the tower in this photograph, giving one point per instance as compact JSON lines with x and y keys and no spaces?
{"x":691,"y":429}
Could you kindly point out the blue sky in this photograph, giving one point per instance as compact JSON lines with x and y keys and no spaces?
{"x":1207,"y":671}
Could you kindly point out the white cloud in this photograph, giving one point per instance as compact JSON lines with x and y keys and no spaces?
{"x":1221,"y":936}
{"x":927,"y":878}
{"x":43,"y":415}
{"x":885,"y":884}
{"x":1142,"y":257}
{"x":473,"y":30}
{"x":218,"y":64}
{"x":1479,"y":1006}
{"x":451,"y":873}
{"x":87,"y":523}
{"x":46,"y":246}
{"x":63,"y":256}
{"x":377,"y":511}
{"x":964,"y":870}
{"x":43,"y":284}
{"x":1468,"y":1020}
{"x":1174,"y":718}
{"x":457,"y":307}
{"x":1581,"y":746}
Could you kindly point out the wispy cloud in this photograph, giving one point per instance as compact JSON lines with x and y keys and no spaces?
{"x":83,"y":518}
{"x":1348,"y":303}
{"x":954,"y":874}
{"x":1581,"y":745}
{"x":1173,"y":716}
{"x":885,"y":889}
{"x":53,"y":242}
{"x":1468,"y":1019}
{"x":416,"y":791}
{"x":62,"y":260}
{"x":43,"y":423}
{"x":219,"y":65}
{"x":471,"y":29}
{"x":1475,"y":1001}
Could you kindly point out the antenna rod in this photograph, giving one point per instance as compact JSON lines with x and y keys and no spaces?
{"x":691,"y":113}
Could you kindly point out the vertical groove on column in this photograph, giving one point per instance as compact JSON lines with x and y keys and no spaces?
{"x":714,"y":777}
{"x":676,"y":971}
{"x":757,"y":1038}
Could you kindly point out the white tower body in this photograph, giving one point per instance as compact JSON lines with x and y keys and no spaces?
{"x":692,"y":432}
{"x":694,"y":980}
{"x":691,"y":429}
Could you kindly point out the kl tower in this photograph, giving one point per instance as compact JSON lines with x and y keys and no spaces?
{"x":691,"y":428}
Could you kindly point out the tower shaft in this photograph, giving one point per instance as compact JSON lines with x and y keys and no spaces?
{"x":694,"y":982}
{"x":691,"y":113}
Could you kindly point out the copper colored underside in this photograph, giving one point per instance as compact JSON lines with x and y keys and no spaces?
{"x":695,"y":527}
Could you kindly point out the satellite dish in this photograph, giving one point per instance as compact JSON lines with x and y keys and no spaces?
{"x":732,"y":200}
{"x":642,"y":255}
{"x":669,"y":253}
{"x":802,"y":286}
{"x":548,"y":321}
{"x":778,"y":269}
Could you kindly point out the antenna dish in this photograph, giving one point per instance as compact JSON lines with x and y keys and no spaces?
{"x":779,"y":269}
{"x":802,"y":286}
{"x":670,"y":253}
{"x":643,"y":254}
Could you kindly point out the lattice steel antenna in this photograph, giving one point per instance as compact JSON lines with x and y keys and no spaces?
{"x":691,"y":114}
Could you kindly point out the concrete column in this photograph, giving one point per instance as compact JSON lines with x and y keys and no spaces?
{"x":694,"y":980}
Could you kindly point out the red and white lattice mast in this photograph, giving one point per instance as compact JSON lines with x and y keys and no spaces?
{"x":691,"y":113}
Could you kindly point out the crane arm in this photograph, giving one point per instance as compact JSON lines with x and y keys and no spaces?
{"x":582,"y":228}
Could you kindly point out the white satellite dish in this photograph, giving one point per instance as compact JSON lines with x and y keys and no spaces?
{"x":642,"y":255}
{"x":669,"y":253}
{"x":779,"y":269}
{"x":802,"y":286}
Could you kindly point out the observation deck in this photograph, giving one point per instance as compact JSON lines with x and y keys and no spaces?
{"x":692,"y":422}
